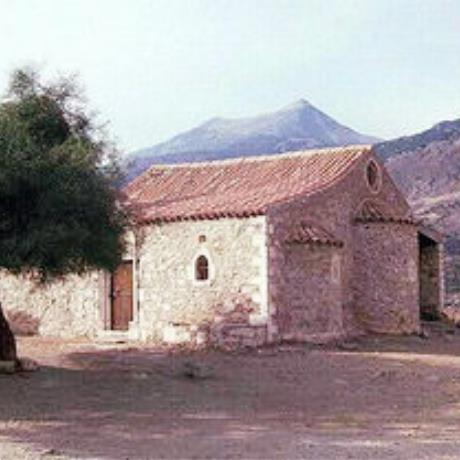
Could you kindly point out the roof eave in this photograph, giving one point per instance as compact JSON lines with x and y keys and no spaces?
{"x":431,"y":233}
{"x":202,"y":216}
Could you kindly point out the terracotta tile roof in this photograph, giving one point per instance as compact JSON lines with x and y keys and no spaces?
{"x":310,"y":233}
{"x":236,"y":188}
{"x":371,"y":211}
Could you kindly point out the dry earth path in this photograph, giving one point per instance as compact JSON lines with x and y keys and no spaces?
{"x":383,"y":398}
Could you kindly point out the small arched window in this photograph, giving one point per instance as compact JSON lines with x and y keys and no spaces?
{"x":201,"y":268}
{"x":373,"y":176}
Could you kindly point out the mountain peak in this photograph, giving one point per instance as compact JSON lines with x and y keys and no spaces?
{"x":297,"y":126}
{"x":300,"y":104}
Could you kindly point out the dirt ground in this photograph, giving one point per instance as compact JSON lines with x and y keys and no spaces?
{"x":379,"y":398}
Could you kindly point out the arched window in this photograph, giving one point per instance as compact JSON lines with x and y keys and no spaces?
{"x":201,"y":268}
{"x":373,"y":176}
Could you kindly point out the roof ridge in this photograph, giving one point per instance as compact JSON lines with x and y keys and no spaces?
{"x":273,"y":156}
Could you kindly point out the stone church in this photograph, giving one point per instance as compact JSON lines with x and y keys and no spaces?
{"x":310,"y":246}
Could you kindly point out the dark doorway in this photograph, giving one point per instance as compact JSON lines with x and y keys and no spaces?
{"x":429,"y":278}
{"x":122,"y":296}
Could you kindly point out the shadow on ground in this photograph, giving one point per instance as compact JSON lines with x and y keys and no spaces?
{"x":388,"y":398}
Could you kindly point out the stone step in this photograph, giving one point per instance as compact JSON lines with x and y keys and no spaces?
{"x":109,"y":337}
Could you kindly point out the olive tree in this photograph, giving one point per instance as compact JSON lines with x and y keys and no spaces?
{"x":60,"y":211}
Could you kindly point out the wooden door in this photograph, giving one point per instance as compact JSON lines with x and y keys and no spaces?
{"x":122,"y":296}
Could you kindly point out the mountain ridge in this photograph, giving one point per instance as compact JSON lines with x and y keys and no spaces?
{"x":299,"y":125}
{"x":442,"y":131}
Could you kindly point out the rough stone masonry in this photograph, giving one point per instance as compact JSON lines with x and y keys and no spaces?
{"x":307,"y":246}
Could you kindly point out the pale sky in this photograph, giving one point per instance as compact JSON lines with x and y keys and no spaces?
{"x":154,"y":68}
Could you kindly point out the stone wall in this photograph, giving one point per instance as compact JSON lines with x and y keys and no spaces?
{"x":313,"y":287}
{"x":331,"y":210}
{"x":229,"y":308}
{"x":334,"y":209}
{"x":315,"y":269}
{"x":68,"y":308}
{"x":386,"y":277}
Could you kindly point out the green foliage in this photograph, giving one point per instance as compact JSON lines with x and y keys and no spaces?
{"x":59,"y":211}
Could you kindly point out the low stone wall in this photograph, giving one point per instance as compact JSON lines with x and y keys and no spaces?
{"x":68,"y":308}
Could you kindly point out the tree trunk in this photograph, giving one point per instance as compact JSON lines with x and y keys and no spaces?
{"x":7,"y":340}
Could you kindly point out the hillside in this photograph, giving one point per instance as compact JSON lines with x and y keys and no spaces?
{"x":426,"y":167}
{"x":444,"y":131}
{"x":294,"y":127}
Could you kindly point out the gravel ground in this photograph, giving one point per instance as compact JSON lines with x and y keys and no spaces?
{"x":379,"y":398}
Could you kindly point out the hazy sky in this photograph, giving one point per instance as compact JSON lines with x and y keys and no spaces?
{"x":157,"y":67}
